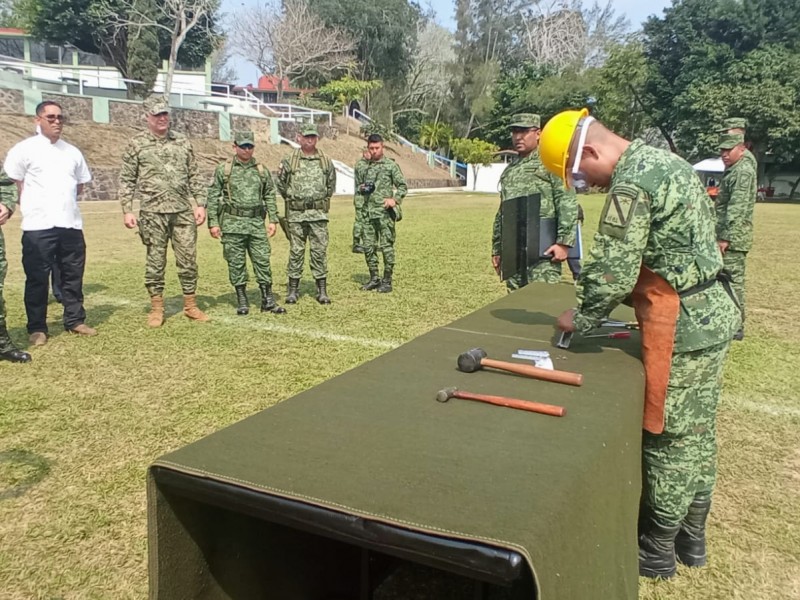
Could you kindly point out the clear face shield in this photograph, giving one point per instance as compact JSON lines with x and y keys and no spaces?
{"x":576,"y":179}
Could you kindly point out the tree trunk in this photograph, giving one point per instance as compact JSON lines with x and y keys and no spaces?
{"x":794,"y":188}
{"x":280,"y":86}
{"x":173,"y":60}
{"x":475,"y":177}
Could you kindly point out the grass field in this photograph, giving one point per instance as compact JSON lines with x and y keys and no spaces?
{"x":79,"y":425}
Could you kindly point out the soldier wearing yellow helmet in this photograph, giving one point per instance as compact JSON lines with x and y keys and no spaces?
{"x":656,"y":245}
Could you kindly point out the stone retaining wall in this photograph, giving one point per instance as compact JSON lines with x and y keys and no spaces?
{"x":75,"y":108}
{"x":11,"y":101}
{"x":289,"y":129}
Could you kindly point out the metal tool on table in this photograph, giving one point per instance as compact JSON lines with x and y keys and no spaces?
{"x":619,"y":324}
{"x":537,"y":407}
{"x":539,"y":358}
{"x":476,"y":358}
{"x":614,"y":335}
{"x":564,"y":340}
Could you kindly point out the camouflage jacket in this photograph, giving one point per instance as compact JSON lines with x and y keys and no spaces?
{"x":528,"y":176}
{"x":307,"y":181}
{"x":389,"y":183}
{"x":245,"y":191}
{"x":737,"y":197}
{"x":657,"y":214}
{"x":8,"y":191}
{"x":163,"y":172}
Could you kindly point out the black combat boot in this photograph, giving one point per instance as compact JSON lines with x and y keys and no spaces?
{"x":739,"y":335}
{"x":374,"y":281}
{"x":268,"y":303}
{"x":291,"y":292}
{"x":358,"y":249}
{"x":243,"y":306}
{"x":657,"y":551}
{"x":322,"y":291}
{"x":10,"y":352}
{"x":386,"y":283}
{"x":690,"y":544}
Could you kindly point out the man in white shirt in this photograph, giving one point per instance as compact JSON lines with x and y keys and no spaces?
{"x":50,"y":173}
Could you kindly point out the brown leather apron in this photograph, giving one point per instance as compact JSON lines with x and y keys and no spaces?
{"x":657,"y":306}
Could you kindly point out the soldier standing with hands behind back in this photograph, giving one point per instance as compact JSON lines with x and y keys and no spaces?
{"x":307,"y":180}
{"x":160,"y":166}
{"x":241,"y":196}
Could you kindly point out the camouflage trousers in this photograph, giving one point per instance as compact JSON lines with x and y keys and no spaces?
{"x":542,"y":272}
{"x":359,"y":226}
{"x":236,"y":247}
{"x":681,"y":463}
{"x":5,"y":341}
{"x":159,"y":229}
{"x":379,"y":236}
{"x":316,"y":233}
{"x":734,"y":263}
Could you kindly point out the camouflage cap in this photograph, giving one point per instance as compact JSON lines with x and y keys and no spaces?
{"x":308,"y":129}
{"x":244,"y":136}
{"x":525,"y":121}
{"x":732,"y":123}
{"x":730,"y":140}
{"x":155,"y":105}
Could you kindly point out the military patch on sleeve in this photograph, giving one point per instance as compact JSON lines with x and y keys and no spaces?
{"x":618,"y":211}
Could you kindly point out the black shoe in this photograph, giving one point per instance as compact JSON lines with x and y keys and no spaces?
{"x":374,"y":282}
{"x":657,"y":551}
{"x":291,"y":293}
{"x":268,"y":303}
{"x":738,"y":336}
{"x":386,"y":283}
{"x":16,"y":356}
{"x":358,"y":249}
{"x":242,"y":304}
{"x":322,"y":291}
{"x":690,"y":543}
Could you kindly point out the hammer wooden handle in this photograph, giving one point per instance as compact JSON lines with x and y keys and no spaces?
{"x":534,"y":372}
{"x":537,"y":407}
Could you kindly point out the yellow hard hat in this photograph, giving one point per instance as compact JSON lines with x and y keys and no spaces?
{"x":556,"y":138}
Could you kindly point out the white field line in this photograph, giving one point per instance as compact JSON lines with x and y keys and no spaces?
{"x":252,"y":323}
{"x":766,"y":409}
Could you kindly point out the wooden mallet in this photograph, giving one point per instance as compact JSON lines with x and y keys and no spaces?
{"x":537,"y":407}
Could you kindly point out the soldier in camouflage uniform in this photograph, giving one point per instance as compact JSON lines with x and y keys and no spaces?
{"x":359,"y":223}
{"x":241,"y":196}
{"x":380,"y":189}
{"x":656,"y":245}
{"x":306,"y":181}
{"x":735,"y":203}
{"x":160,"y":167}
{"x":527,"y":176}
{"x":8,"y":204}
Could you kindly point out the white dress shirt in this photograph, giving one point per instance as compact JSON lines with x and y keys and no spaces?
{"x":51,"y":174}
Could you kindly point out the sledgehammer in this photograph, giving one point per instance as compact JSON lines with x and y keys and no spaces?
{"x":545,"y":409}
{"x":473,"y":360}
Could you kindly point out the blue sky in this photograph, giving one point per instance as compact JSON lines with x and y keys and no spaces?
{"x":636,"y":11}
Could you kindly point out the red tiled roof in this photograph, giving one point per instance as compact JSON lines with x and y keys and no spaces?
{"x":12,"y":31}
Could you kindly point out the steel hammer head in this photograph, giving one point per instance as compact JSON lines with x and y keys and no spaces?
{"x":470,"y":361}
{"x":445,"y":394}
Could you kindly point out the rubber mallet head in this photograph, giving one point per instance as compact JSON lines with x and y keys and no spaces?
{"x":470,"y":361}
{"x":445,"y":394}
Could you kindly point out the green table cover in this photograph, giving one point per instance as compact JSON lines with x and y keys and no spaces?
{"x":373,"y":442}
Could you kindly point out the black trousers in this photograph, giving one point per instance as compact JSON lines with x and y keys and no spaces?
{"x":41,"y":250}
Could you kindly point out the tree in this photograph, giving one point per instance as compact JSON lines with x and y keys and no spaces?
{"x":474,"y":152}
{"x":343,"y":91}
{"x":176,"y":17}
{"x":709,"y":59}
{"x":291,"y":42}
{"x":83,"y":24}
{"x":435,"y":135}
{"x":143,"y":53}
{"x":428,"y":82}
{"x":221,"y":69}
{"x":384,"y":30}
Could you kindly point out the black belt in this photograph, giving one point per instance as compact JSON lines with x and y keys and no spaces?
{"x":244,"y":212}
{"x":696,"y":289}
{"x":722,"y":277}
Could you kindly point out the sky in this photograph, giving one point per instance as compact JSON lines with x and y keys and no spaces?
{"x":636,"y":12}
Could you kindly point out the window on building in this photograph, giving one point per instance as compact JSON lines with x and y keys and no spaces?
{"x":12,"y":48}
